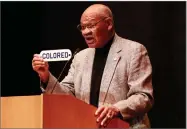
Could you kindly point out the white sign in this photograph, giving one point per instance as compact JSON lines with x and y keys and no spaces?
{"x":56,"y":55}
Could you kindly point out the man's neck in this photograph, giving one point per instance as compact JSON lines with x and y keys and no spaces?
{"x":108,"y":44}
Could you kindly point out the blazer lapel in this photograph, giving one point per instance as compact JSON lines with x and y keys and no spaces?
{"x":111,"y":64}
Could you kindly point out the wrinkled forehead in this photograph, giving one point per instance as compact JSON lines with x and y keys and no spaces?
{"x":87,"y":18}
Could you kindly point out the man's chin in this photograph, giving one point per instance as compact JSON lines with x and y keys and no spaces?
{"x":91,"y":45}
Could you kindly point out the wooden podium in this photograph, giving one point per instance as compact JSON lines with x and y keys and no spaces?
{"x":50,"y":111}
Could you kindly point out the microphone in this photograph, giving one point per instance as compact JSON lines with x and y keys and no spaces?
{"x":76,"y":51}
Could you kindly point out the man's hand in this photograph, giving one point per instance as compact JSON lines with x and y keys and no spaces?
{"x":105,"y":114}
{"x":41,"y":67}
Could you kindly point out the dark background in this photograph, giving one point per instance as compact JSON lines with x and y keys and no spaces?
{"x":29,"y":27}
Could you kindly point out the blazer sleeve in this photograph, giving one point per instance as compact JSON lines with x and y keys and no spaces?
{"x":66,"y":86}
{"x":140,"y":96}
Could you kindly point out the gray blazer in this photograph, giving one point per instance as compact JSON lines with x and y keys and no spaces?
{"x":126,"y":82}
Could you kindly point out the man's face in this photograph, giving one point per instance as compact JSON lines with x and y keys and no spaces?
{"x":94,"y":31}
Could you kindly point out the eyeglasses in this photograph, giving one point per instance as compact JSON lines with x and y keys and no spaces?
{"x":91,"y":26}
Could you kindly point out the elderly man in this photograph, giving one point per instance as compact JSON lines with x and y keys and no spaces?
{"x":113,"y":74}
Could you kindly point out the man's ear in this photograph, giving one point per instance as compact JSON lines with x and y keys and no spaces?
{"x":109,"y":22}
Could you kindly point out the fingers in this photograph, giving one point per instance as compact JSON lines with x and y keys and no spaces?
{"x":37,"y":67}
{"x":37,"y":58}
{"x":38,"y":62}
{"x":106,"y":114}
{"x":99,"y":110}
{"x":107,"y":118}
{"x":109,"y":114}
{"x":103,"y":114}
{"x":106,"y":121}
{"x":36,"y":55}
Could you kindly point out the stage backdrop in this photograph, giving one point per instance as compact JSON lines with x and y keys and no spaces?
{"x":29,"y":27}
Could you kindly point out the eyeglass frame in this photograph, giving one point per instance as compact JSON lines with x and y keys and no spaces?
{"x":79,"y":27}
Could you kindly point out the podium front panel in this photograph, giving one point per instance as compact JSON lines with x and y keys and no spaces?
{"x":65,"y":111}
{"x":21,"y":112}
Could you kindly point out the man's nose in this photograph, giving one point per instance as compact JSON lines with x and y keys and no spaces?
{"x":86,"y":31}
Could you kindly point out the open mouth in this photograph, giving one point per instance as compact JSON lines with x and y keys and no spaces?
{"x":89,"y":40}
